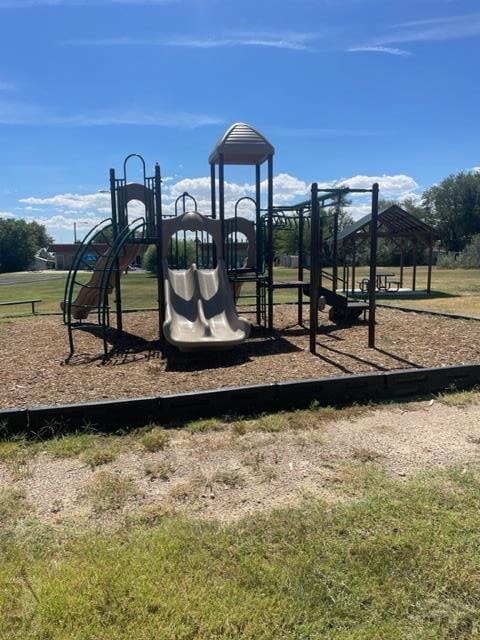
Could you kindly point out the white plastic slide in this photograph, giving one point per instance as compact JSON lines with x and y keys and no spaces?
{"x":88,"y":296}
{"x":200,"y":309}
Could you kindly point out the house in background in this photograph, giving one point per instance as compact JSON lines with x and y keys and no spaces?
{"x":64,"y":254}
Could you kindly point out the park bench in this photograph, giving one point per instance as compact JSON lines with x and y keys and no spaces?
{"x":393,"y":285}
{"x":12,"y":302}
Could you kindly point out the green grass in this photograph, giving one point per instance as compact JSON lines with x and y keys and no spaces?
{"x":455,"y":290}
{"x":460,"y":398}
{"x":401,"y":563}
{"x":155,"y":439}
{"x":138,"y":290}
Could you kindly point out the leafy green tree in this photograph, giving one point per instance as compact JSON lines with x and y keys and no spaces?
{"x":150,"y":258}
{"x":19,"y":242}
{"x":454,"y":207}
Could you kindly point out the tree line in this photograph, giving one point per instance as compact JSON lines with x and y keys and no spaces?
{"x":451,"y":207}
{"x":19,"y":242}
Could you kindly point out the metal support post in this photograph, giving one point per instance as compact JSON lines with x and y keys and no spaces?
{"x":373,"y":267}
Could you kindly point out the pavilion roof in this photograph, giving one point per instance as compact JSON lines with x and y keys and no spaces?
{"x":393,"y":221}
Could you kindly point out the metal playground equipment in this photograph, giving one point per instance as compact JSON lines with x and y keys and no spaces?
{"x":204,"y":260}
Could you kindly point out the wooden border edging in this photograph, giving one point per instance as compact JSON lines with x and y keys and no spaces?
{"x":116,"y":414}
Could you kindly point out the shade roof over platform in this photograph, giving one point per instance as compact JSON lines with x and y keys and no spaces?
{"x":393,"y":221}
{"x":242,"y":144}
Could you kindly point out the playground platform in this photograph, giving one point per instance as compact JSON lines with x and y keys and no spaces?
{"x":403,"y":292}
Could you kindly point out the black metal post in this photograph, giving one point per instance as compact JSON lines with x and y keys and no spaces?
{"x":213,"y":190}
{"x":221,"y":199}
{"x":159,"y":238}
{"x":259,"y":243}
{"x":354,"y":260}
{"x":270,"y":240}
{"x":335,"y":247}
{"x":118,"y":288}
{"x":301,"y":249}
{"x":373,"y":267}
{"x":314,"y":266}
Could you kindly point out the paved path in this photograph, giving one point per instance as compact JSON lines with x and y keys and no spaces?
{"x":25,"y":278}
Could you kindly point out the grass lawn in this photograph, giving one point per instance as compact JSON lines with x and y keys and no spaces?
{"x":454,"y":290}
{"x":402,"y":562}
{"x":399,"y":559}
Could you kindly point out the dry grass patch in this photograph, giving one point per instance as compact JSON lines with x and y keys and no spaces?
{"x":460,"y":398}
{"x":156,"y":439}
{"x":13,"y":505}
{"x":206,"y":424}
{"x":99,"y":454}
{"x":155,"y":513}
{"x":255,"y":460}
{"x":109,"y":492}
{"x":232,"y":478}
{"x":159,"y":470}
{"x":365,"y":455}
{"x":18,"y":458}
{"x":9,"y":449}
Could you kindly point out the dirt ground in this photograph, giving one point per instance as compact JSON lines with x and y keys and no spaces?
{"x":228,"y":473}
{"x":34,"y":371}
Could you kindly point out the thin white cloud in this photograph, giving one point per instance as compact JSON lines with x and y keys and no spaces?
{"x":292,"y":41}
{"x":394,"y":51}
{"x":428,"y":22}
{"x":436,"y":29}
{"x":24,"y":114}
{"x":26,"y":4}
{"x":314,"y":132}
{"x":7,"y":214}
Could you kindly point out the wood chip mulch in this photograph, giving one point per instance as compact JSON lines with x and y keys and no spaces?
{"x":34,"y":371}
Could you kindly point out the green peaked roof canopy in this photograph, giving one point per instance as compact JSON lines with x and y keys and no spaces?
{"x":396,"y":222}
{"x":242,"y":144}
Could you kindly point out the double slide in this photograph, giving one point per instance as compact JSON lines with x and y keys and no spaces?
{"x":200,"y":309}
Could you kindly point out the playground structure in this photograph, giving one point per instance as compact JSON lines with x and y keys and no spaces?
{"x":197,"y":298}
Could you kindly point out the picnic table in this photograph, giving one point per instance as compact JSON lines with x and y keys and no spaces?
{"x":382,"y":282}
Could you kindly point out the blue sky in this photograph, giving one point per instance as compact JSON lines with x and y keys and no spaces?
{"x":346,"y":90}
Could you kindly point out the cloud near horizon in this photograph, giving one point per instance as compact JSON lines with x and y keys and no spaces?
{"x":59,"y":212}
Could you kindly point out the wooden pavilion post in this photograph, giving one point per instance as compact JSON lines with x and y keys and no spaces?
{"x":414,"y":276}
{"x":402,"y":247}
{"x":354,"y":259}
{"x":430,"y":263}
